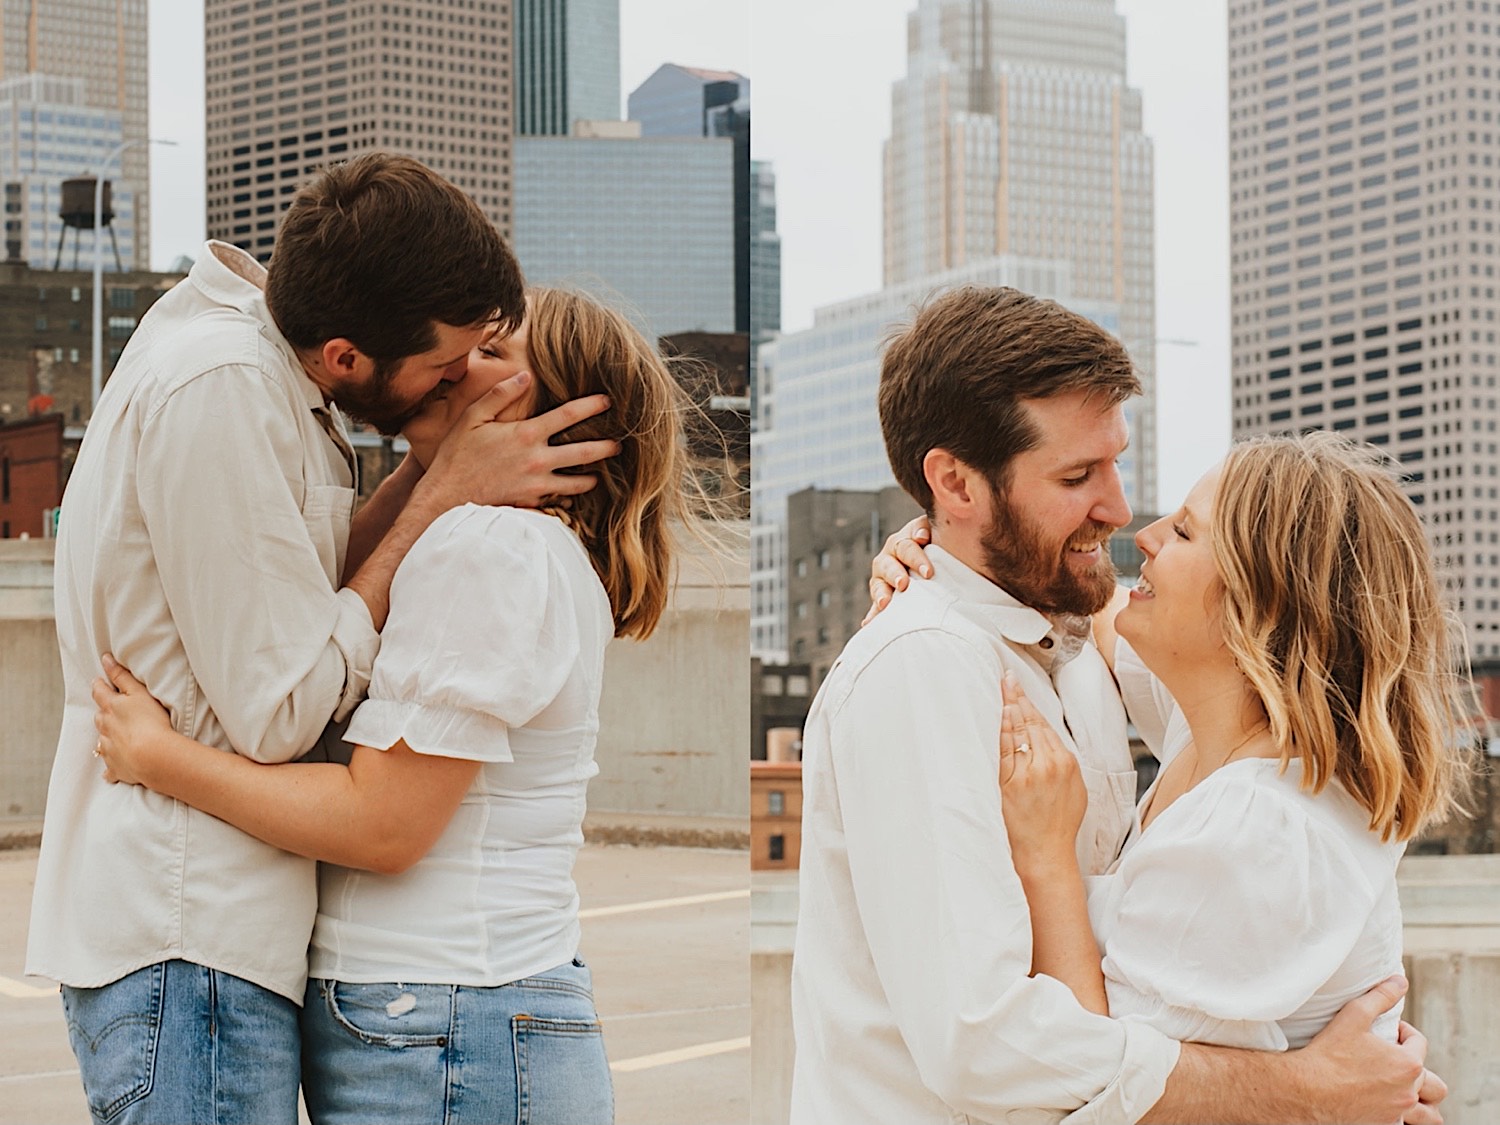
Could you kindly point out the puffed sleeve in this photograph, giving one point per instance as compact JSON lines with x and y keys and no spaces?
{"x":1232,"y":911}
{"x":482,"y":635}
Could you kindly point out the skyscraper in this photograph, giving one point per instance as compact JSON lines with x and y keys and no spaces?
{"x":1362,"y":219}
{"x":645,"y":223}
{"x":102,"y":43}
{"x":685,"y":101}
{"x":294,"y":84}
{"x":1014,"y":132}
{"x":48,"y":134}
{"x":567,"y":64}
{"x":682,"y":101}
{"x":765,"y":262}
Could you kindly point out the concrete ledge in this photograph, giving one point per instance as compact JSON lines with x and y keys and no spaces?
{"x":598,"y":828}
{"x":666,"y":831}
{"x":23,"y":832}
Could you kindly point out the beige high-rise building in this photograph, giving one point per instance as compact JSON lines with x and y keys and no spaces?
{"x":103,"y":44}
{"x":293,"y":85}
{"x":1014,"y":133}
{"x":1363,"y":160}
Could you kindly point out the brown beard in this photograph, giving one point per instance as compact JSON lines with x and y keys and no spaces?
{"x":377,"y":405}
{"x":1039,"y":576}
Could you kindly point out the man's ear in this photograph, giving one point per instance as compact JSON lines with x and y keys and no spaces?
{"x":959,"y":494}
{"x":342,"y":360}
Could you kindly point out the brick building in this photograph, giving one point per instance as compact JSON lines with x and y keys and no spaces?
{"x":775,"y":815}
{"x":46,"y":335}
{"x":832,"y":533}
{"x":31,"y":474}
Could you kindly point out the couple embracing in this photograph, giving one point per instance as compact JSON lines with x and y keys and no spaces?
{"x":458,"y":621}
{"x":990,"y":929}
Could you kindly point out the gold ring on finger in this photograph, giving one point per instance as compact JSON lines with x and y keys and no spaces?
{"x":1024,"y":748}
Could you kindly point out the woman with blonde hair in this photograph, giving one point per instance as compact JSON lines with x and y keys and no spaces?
{"x":1288,"y":654}
{"x":1288,"y":657}
{"x":444,"y":978}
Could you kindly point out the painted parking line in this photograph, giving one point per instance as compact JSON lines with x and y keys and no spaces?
{"x":23,"y":991}
{"x":8,"y":1078}
{"x":666,"y":1013}
{"x":663,"y":903}
{"x":682,"y":1054}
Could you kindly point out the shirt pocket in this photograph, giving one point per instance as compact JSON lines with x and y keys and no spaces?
{"x":1111,"y":808}
{"x":327,"y":510}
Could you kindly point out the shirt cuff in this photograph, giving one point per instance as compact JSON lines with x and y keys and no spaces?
{"x":355,"y":637}
{"x":435,"y":729}
{"x":1150,"y":1058}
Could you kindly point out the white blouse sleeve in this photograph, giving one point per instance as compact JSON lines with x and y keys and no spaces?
{"x":1147,"y":702}
{"x":1231,"y":915}
{"x":482,"y":635}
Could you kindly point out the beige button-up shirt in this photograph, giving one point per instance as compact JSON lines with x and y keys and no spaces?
{"x":202,"y":538}
{"x":911,"y":1000}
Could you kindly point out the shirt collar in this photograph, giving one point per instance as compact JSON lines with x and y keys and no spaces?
{"x":231,"y":277}
{"x":1051,"y":641}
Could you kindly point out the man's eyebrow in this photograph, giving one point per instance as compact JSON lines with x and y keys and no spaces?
{"x":1090,"y":462}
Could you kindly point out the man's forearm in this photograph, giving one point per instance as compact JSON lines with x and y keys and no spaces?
{"x":1235,"y":1087}
{"x":372,"y":581}
{"x":379,"y":514}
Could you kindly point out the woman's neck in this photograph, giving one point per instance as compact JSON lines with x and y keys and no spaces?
{"x":1224,"y":715}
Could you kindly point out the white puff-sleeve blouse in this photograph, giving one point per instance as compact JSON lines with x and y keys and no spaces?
{"x":1251,"y":910}
{"x":493,"y":651}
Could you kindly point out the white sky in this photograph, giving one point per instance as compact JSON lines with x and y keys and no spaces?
{"x":823,"y":71}
{"x":706,"y":33}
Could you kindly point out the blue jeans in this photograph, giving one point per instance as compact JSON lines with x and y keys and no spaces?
{"x":526,"y":1053}
{"x":177,"y":1043}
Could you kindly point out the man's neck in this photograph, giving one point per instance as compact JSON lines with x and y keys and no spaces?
{"x":965,"y":548}
{"x":314,"y":370}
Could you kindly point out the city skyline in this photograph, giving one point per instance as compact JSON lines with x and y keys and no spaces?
{"x":651,"y":32}
{"x":1363,"y":246}
{"x":1014,"y":132}
{"x":76,"y":71}
{"x":829,"y":184}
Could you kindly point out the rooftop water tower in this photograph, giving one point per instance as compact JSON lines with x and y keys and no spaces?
{"x":77,"y":214}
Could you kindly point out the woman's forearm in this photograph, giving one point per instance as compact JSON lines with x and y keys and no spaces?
{"x":313,"y":809}
{"x":1062,"y":942}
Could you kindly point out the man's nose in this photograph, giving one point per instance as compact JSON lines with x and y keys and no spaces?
{"x":1111,"y":507}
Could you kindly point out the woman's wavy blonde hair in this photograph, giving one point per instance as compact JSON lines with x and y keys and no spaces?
{"x":579,"y":347}
{"x":1333,"y":612}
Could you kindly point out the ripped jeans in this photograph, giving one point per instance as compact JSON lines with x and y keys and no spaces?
{"x":526,"y":1053}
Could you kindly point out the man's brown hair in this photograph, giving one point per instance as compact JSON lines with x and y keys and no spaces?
{"x":956,"y":379}
{"x":377,"y":250}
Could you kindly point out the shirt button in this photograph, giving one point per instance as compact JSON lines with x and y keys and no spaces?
{"x":1045,"y":642}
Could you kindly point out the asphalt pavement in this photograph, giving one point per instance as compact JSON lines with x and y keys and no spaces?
{"x":665,"y":931}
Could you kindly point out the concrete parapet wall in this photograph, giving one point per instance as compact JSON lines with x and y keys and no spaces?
{"x":672,"y":721}
{"x":31,"y":690}
{"x":1451,"y":907}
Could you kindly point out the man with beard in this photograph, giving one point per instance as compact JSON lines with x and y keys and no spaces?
{"x":912,"y":998}
{"x":207,"y":543}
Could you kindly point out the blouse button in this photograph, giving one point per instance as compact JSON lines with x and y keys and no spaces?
{"x":1045,"y":642}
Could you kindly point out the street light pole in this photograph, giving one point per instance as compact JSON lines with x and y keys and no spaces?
{"x":96,"y":375}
